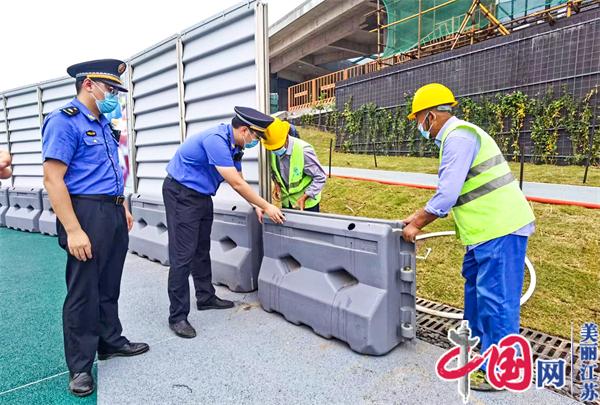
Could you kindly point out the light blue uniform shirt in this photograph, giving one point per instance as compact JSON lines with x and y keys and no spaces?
{"x":88,"y":148}
{"x":460,"y":149}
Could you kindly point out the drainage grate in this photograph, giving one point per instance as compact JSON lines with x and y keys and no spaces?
{"x":434,"y":330}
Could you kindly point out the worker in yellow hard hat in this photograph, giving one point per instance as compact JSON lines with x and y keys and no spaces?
{"x":492,"y":217}
{"x":298,"y":175}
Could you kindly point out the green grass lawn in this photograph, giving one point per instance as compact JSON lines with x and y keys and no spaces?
{"x":565,"y":251}
{"x":536,"y":173}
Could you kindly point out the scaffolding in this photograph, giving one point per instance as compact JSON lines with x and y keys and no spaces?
{"x":413,"y":29}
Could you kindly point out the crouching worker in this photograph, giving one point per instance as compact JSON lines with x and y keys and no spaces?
{"x":195,"y":172}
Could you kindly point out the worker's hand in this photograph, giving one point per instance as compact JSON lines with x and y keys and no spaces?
{"x":410,"y":232}
{"x":409,"y":219}
{"x":260,"y":214}
{"x":277,"y":192}
{"x":5,"y":162}
{"x":5,"y":159}
{"x":129,"y":218}
{"x":301,"y":202}
{"x":79,"y":245}
{"x":275,"y":214}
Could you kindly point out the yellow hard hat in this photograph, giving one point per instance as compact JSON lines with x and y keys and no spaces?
{"x":429,"y":96}
{"x":276,"y":134}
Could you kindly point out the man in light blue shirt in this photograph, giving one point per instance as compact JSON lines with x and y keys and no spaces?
{"x":492,"y":217}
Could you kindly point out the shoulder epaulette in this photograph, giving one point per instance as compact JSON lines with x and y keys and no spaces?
{"x":70,"y":111}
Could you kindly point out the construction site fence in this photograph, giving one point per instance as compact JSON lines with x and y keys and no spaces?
{"x":572,"y":140}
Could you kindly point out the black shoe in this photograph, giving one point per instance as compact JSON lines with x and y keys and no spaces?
{"x":214,"y":303}
{"x":183,"y":329}
{"x":128,"y":349}
{"x":81,"y":384}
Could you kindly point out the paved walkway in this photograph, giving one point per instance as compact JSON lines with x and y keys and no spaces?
{"x":541,"y":192}
{"x":248,"y":356}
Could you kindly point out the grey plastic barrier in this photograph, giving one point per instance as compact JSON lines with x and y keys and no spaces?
{"x":48,"y":217}
{"x":25,"y":209}
{"x":148,"y":237}
{"x":4,"y":205}
{"x":236,"y":246}
{"x":345,"y":277}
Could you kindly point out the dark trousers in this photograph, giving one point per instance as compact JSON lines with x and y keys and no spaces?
{"x":90,"y":312}
{"x":316,"y":208}
{"x":189,"y":219}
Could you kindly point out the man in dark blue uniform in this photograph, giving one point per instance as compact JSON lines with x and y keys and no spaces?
{"x":196,"y":170}
{"x":85,"y":186}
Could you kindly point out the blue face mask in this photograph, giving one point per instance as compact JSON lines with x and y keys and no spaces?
{"x":251,"y":144}
{"x":424,"y":133}
{"x":110,"y":102}
{"x":281,"y":151}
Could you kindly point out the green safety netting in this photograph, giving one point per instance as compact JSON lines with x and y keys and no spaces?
{"x":445,"y":19}
{"x":510,"y":9}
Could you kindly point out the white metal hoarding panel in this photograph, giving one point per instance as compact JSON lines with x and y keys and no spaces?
{"x":23,"y":113}
{"x":220,"y":72}
{"x":155,"y":114}
{"x":56,"y":94}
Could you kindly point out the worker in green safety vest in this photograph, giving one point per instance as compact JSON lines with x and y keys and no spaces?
{"x":492,"y":217}
{"x":299,"y":177}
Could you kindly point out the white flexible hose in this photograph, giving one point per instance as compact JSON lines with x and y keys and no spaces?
{"x":453,"y":315}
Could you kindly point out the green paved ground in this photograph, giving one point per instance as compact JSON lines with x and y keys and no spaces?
{"x":32,"y":289}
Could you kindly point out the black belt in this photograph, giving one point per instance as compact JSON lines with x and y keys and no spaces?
{"x":115,"y":199}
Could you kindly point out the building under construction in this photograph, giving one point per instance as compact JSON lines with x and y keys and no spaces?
{"x":394,"y":32}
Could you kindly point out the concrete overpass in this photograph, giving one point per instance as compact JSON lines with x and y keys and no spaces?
{"x":318,"y":37}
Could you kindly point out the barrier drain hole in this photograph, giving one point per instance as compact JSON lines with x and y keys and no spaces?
{"x":290,"y":264}
{"x":227,"y":244}
{"x":340,"y":278}
{"x":142,"y":223}
{"x":162,"y":228}
{"x":351,"y":226}
{"x":234,"y":208}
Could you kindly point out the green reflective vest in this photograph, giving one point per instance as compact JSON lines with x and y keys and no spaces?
{"x":490,"y":204}
{"x":298,"y":181}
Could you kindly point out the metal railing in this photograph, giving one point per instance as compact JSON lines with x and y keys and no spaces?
{"x":311,"y":93}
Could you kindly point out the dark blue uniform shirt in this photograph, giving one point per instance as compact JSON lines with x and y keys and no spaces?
{"x":87,"y":146}
{"x":193,"y":165}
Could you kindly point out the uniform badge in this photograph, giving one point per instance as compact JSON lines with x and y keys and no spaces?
{"x":70,"y":111}
{"x":121,"y":68}
{"x":90,"y":133}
